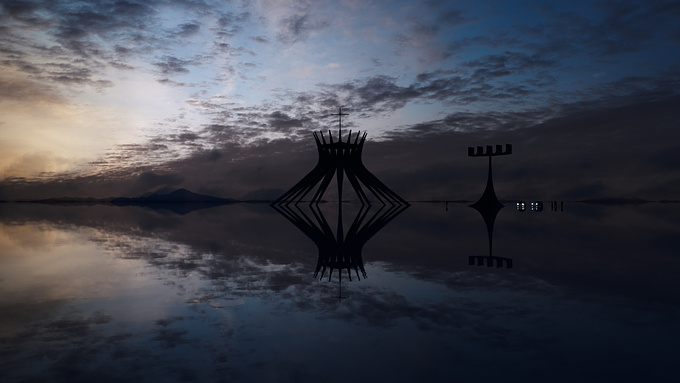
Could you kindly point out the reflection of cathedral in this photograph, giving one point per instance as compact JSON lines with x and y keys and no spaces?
{"x":340,"y":250}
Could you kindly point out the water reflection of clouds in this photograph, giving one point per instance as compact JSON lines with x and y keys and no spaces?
{"x":231,"y":291}
{"x":17,"y":238}
{"x":38,"y":284}
{"x":235,"y":241}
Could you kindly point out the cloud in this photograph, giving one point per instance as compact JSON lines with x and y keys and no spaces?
{"x":68,"y":44}
{"x":577,"y":152}
{"x":239,"y":144}
{"x":230,"y":23}
{"x":620,"y":28}
{"x":69,"y":74}
{"x":421,"y":35}
{"x":378,"y":94}
{"x":167,"y":81}
{"x":79,"y":26}
{"x":454,"y":18}
{"x":505,"y":64}
{"x":20,"y":89}
{"x":281,"y":121}
{"x":172,"y":65}
{"x":299,"y":27}
{"x":188,"y":29}
{"x":81,"y":41}
{"x":43,"y":164}
{"x":148,"y":181}
{"x":260,"y":39}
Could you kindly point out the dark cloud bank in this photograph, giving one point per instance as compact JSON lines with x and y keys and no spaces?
{"x":621,"y":147}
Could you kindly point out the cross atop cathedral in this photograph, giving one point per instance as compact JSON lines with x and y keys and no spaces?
{"x":340,"y":114}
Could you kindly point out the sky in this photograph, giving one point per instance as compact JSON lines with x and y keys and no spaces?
{"x":120,"y":98}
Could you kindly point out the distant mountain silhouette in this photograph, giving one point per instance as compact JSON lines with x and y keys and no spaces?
{"x":180,"y":201}
{"x":179,"y":195}
{"x":176,"y":196}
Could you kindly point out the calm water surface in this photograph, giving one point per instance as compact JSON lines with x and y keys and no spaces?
{"x":105,"y":293}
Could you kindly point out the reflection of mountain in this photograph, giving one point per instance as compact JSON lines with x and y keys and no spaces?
{"x":71,"y":200}
{"x":179,"y":195}
{"x":339,"y":250}
{"x":180,"y":201}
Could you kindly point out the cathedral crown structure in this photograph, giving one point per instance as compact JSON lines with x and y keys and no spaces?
{"x":339,"y":159}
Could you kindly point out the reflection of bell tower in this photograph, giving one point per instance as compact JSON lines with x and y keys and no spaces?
{"x":341,"y":251}
{"x":339,"y":159}
{"x":488,"y":205}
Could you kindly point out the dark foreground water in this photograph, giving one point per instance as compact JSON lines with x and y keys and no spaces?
{"x":103,"y":293}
